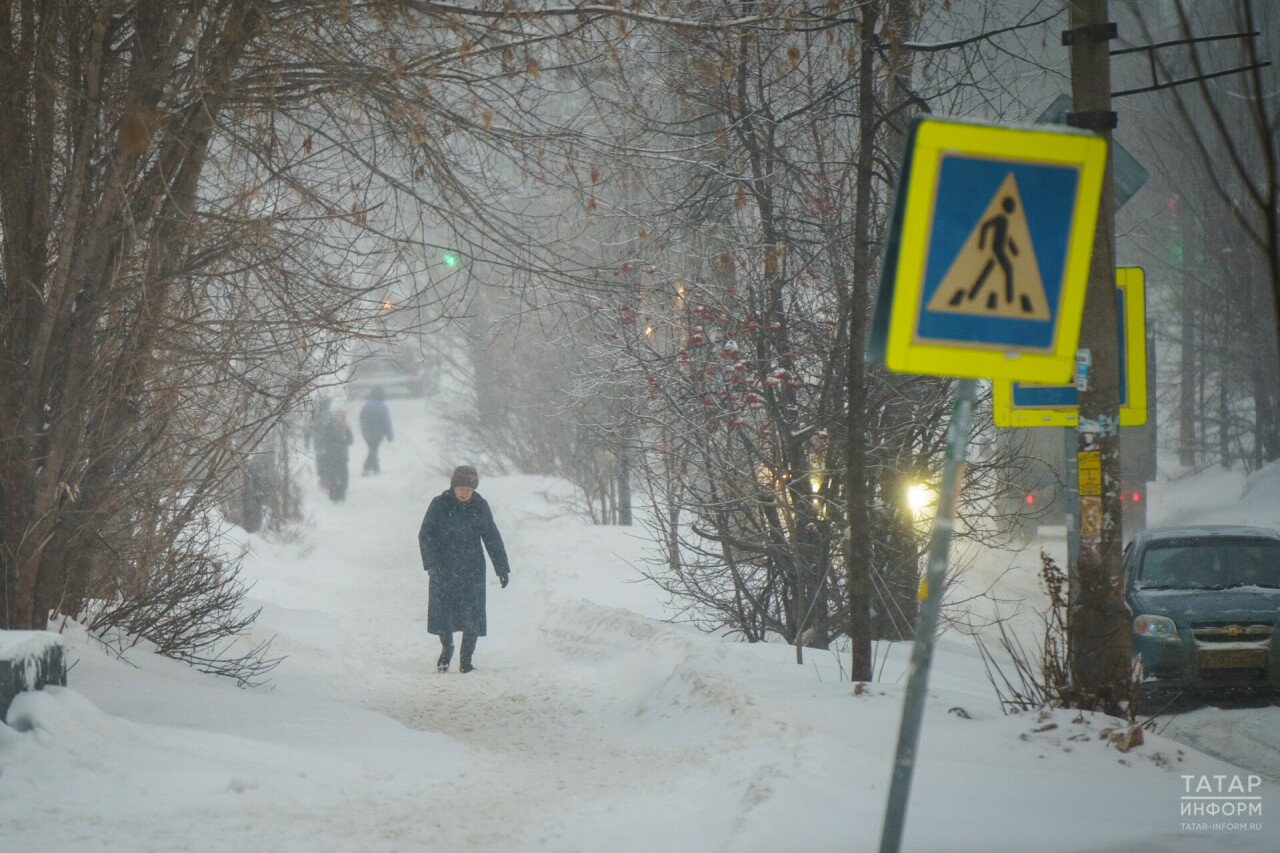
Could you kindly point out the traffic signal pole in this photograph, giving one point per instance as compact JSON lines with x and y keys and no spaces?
{"x":1099,"y":632}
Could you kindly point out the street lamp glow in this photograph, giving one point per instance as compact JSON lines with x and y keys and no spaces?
{"x":919,"y":497}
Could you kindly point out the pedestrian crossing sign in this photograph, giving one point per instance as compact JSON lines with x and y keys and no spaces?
{"x":988,"y":251}
{"x":1030,"y":404}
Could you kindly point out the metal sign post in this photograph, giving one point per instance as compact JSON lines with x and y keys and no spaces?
{"x":983,"y":277}
{"x":1070,"y":478}
{"x":927,"y":618}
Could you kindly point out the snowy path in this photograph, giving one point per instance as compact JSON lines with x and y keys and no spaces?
{"x":557,"y":711}
{"x":551,"y":752}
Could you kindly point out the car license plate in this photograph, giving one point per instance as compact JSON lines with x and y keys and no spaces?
{"x":1250,"y":658}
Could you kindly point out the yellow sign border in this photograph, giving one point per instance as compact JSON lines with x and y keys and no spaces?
{"x":935,"y":138}
{"x":1132,"y":283}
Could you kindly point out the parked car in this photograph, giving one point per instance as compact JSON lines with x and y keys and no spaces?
{"x":1205,"y":603}
{"x":397,"y":370}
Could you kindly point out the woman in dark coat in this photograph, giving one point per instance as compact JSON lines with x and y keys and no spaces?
{"x":457,"y":523}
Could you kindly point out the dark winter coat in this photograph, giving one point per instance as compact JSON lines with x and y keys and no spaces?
{"x":450,"y":540}
{"x":321,"y":422}
{"x":331,"y":447}
{"x":375,"y":422}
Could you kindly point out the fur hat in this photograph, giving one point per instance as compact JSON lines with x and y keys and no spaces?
{"x":465,"y":476}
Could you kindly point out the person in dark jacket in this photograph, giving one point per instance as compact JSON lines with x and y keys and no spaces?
{"x":332,"y":458}
{"x":375,"y":425}
{"x":316,"y":433}
{"x":456,"y":524}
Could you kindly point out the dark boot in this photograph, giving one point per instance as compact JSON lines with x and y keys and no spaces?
{"x":446,"y":654}
{"x":468,"y":648}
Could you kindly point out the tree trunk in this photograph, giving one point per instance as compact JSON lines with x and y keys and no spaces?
{"x":857,"y":495}
{"x":1265,"y":382}
{"x":1187,"y":383}
{"x":1224,"y":414}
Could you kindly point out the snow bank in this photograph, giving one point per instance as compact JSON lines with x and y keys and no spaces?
{"x":29,"y":660}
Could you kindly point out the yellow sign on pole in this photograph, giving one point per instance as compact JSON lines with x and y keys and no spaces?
{"x":988,"y":253}
{"x":1030,"y":404}
{"x":1089,"y":466}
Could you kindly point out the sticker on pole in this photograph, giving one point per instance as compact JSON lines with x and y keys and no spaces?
{"x":988,"y":252}
{"x":1031,"y":404}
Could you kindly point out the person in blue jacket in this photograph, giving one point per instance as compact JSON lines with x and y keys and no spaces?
{"x":375,"y":425}
{"x":458,"y":522}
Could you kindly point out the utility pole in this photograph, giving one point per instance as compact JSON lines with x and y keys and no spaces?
{"x":1099,"y":636}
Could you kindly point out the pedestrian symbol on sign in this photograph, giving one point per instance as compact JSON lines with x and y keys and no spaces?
{"x":995,"y":273}
{"x":988,"y":254}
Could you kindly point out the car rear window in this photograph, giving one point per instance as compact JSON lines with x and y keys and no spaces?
{"x":1217,"y":562}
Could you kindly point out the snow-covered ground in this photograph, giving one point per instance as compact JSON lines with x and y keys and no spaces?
{"x":591,"y":724}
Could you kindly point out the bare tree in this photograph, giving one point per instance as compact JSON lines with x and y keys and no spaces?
{"x":199,"y":203}
{"x":1215,"y":151}
{"x":730,"y":190}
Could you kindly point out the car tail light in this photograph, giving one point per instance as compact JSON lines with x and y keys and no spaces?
{"x":1133,"y":493}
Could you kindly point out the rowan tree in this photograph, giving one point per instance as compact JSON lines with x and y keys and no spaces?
{"x":728,"y":182}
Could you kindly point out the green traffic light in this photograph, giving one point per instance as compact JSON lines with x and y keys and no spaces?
{"x":450,"y":260}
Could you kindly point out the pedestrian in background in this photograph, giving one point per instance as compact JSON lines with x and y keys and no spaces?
{"x":375,"y":425}
{"x":316,"y":434}
{"x":458,"y":522}
{"x":333,"y":457}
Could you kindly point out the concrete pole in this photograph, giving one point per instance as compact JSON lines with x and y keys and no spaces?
{"x":1098,"y":639}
